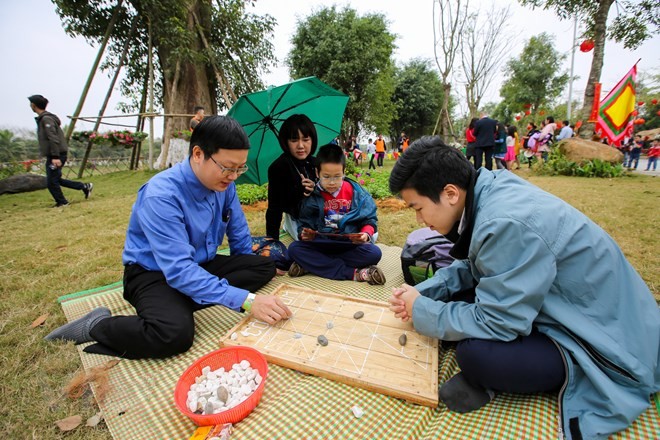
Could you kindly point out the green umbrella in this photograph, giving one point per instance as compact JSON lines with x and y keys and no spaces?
{"x":262,"y":113}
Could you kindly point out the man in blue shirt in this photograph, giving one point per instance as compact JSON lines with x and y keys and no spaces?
{"x":566,"y":132}
{"x":171,"y":270}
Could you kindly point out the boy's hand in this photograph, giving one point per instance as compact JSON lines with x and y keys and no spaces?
{"x":270,"y":309}
{"x":307,"y":234}
{"x":402,"y":300}
{"x":363,"y":238}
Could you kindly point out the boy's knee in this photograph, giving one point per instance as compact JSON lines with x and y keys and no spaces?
{"x":293,"y":249}
{"x":470,"y":355}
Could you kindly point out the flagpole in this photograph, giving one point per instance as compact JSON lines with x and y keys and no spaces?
{"x":570,"y":80}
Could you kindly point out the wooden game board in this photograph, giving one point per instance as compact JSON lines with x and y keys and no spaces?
{"x":365,"y":353}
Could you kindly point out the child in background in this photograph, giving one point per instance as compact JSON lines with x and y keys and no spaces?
{"x":510,"y":156}
{"x":635,"y":152}
{"x":371,"y":152}
{"x":499,"y":152}
{"x":653,"y":154}
{"x":339,"y":206}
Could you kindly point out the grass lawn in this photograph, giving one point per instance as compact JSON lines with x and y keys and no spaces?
{"x":48,"y":252}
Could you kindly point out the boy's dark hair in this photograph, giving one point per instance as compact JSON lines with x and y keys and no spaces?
{"x":370,"y":140}
{"x":216,"y":132}
{"x":290,"y":128}
{"x":330,"y":153}
{"x":197,"y":108}
{"x":38,"y":101}
{"x":428,"y":166}
{"x":550,"y":119}
{"x":566,"y":123}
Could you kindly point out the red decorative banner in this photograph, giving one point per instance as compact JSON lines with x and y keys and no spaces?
{"x":615,"y":116}
{"x":594,"y":107}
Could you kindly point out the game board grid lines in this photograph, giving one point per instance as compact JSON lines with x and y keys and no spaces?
{"x":323,"y":313}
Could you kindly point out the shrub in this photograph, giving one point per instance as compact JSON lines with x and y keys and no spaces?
{"x":249,"y":193}
{"x":558,"y":164}
{"x":376,"y":183}
{"x":11,"y":169}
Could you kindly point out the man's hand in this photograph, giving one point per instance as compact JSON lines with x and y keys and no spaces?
{"x":402,"y":300}
{"x":270,"y":309}
{"x":56,"y":162}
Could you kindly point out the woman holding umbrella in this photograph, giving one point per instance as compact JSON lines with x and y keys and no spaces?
{"x":291,"y":176}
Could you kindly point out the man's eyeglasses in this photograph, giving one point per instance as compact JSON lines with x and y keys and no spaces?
{"x":332,"y":179}
{"x":226,"y":172}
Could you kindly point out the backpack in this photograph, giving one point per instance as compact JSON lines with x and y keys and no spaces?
{"x":273,"y":249}
{"x":425,"y":252}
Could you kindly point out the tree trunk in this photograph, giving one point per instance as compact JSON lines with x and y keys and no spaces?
{"x":600,"y":29}
{"x":195,"y":83}
{"x":472,"y":101}
{"x":444,"y":122}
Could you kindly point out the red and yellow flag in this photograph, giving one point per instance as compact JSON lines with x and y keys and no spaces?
{"x":615,"y":116}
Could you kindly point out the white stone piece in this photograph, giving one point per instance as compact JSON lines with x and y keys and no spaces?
{"x":245,"y":364}
{"x":357,"y":411}
{"x":233,"y":336}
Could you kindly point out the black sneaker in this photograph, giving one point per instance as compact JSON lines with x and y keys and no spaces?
{"x":61,"y":205}
{"x":87,"y":190}
{"x":296,"y":270}
{"x":372,"y":275}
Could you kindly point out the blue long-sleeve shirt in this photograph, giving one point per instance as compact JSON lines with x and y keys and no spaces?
{"x":177,"y":224}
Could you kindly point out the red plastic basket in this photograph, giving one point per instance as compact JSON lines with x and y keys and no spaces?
{"x":225,"y":357}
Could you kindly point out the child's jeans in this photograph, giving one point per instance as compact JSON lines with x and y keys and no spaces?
{"x":332,"y":259}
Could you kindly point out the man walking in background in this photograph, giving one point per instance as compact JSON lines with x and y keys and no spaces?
{"x":52,"y":144}
{"x":484,"y":132}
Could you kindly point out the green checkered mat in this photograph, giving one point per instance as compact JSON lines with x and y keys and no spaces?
{"x":140,"y":404}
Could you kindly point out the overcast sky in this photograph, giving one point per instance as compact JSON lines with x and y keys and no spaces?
{"x":38,"y":57}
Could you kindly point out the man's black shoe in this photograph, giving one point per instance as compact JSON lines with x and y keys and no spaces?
{"x":87,"y":190}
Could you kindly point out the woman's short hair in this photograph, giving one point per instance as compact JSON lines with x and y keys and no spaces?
{"x":290,"y":128}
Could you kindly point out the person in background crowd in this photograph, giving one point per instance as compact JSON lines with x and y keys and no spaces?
{"x":566,"y":131}
{"x":485,"y":131}
{"x":371,"y":152}
{"x":380,"y":150}
{"x":470,"y":152}
{"x":653,"y":154}
{"x":197,"y":118}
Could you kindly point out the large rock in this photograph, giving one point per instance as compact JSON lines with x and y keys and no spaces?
{"x":650,"y":133}
{"x":22,"y":183}
{"x":581,"y":150}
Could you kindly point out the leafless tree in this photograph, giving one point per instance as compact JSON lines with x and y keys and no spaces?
{"x":483,"y":46}
{"x":449,"y":18}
